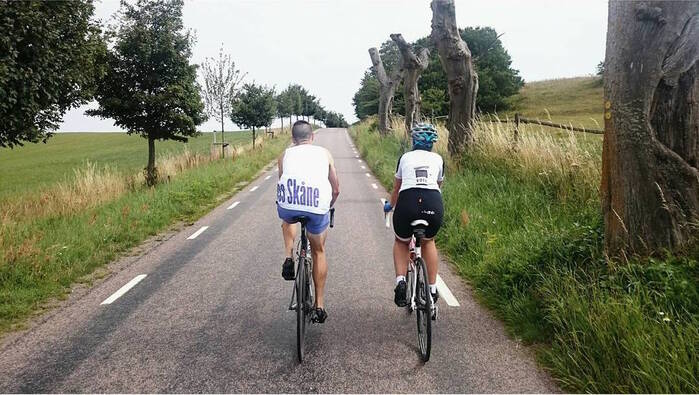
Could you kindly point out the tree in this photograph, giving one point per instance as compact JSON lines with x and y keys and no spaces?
{"x":366,"y":99}
{"x":412,"y":64}
{"x":335,"y":120}
{"x":150,"y":87}
{"x":387,"y":87}
{"x":461,"y":76}
{"x":650,"y":181}
{"x":51,"y":54}
{"x":255,"y":107}
{"x":497,"y":79}
{"x":221,"y":84}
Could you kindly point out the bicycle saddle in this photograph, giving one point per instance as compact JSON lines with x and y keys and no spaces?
{"x":301,"y":218}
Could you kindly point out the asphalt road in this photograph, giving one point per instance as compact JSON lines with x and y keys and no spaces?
{"x":211,"y":315}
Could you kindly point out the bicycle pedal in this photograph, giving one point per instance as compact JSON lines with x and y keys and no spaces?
{"x":292,"y":307}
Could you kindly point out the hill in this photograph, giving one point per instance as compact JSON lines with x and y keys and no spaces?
{"x":576,"y":100}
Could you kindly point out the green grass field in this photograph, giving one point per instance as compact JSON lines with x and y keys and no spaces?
{"x":35,"y":166}
{"x":579,"y":101}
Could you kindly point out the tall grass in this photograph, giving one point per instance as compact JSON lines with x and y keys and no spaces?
{"x":523,"y":225}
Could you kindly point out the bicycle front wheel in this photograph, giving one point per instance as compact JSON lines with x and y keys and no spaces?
{"x":424,"y":310}
{"x":300,"y":308}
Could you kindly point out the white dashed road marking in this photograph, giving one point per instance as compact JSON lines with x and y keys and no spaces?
{"x":359,"y":160}
{"x":268,"y":177}
{"x":116,"y":295}
{"x":233,"y":205}
{"x":367,"y":174}
{"x":445,"y":292}
{"x":253,"y":189}
{"x":363,"y":167}
{"x":374,"y":186}
{"x":197,"y":233}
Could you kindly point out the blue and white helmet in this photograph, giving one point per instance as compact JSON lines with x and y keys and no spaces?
{"x":424,"y":135}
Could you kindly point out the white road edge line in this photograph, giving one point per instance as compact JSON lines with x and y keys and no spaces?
{"x":253,"y":189}
{"x":373,"y":185}
{"x":445,"y":292}
{"x":116,"y":295}
{"x":197,"y":233}
{"x":268,"y":177}
{"x":359,"y":160}
{"x":233,"y":205}
{"x":367,"y":174}
{"x":363,"y":167}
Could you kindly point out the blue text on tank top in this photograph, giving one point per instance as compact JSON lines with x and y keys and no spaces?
{"x":298,"y":194}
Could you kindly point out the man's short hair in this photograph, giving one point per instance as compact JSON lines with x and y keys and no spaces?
{"x":301,"y":131}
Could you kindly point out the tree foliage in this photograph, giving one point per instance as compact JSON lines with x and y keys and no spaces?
{"x":50,"y":55}
{"x":150,"y":87}
{"x":497,"y":79}
{"x":255,"y":107}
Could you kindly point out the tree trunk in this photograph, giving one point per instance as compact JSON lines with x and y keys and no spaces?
{"x":461,"y":76}
{"x":253,"y":137}
{"x":413,"y":65}
{"x":151,"y":175}
{"x":223,"y":148}
{"x":650,"y":181}
{"x":387,"y":88}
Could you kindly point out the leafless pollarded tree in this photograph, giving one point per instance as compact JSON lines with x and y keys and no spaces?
{"x":461,"y":76}
{"x":387,"y":87}
{"x":221,"y":84}
{"x":650,"y":181}
{"x":413,"y":65}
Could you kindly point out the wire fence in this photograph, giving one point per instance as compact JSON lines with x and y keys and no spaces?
{"x":518,"y":119}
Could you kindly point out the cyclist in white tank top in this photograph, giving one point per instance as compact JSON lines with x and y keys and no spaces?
{"x":308,"y":186}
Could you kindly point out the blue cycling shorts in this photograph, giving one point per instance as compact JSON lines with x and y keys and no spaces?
{"x":317,"y":223}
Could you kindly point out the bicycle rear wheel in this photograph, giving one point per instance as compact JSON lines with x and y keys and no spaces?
{"x":300,"y":308}
{"x":424,"y":310}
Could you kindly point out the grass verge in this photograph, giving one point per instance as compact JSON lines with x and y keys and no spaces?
{"x":41,"y":257}
{"x":527,"y":233}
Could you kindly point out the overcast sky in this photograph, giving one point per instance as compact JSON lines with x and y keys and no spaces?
{"x":323,"y":45}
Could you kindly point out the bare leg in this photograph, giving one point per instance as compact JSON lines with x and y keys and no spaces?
{"x":429,"y":253}
{"x":320,"y":265}
{"x":289,"y":233}
{"x":401,"y":254}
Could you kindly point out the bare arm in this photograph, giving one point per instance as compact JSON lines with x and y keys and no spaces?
{"x":280,"y":164}
{"x":397,"y":182}
{"x":334,"y":181}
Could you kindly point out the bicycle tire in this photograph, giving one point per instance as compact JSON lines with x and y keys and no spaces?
{"x":300,"y":309}
{"x":409,"y":289}
{"x":424,"y":310}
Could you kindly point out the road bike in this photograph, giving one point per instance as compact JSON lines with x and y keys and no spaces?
{"x":418,"y":289}
{"x":303,"y":296}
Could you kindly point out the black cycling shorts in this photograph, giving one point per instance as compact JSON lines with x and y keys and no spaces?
{"x":418,"y":203}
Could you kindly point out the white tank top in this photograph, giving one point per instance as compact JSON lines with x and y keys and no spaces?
{"x":420,"y":169}
{"x":304,"y":183}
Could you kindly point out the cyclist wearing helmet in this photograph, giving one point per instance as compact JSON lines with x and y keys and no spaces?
{"x":417,"y":195}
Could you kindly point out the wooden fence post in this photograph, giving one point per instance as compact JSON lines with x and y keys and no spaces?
{"x":516,"y":135}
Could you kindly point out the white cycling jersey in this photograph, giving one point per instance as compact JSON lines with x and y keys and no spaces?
{"x":420,"y":169}
{"x":304,"y":183}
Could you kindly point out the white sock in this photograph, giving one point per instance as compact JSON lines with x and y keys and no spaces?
{"x":399,"y":279}
{"x":433,"y":288}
